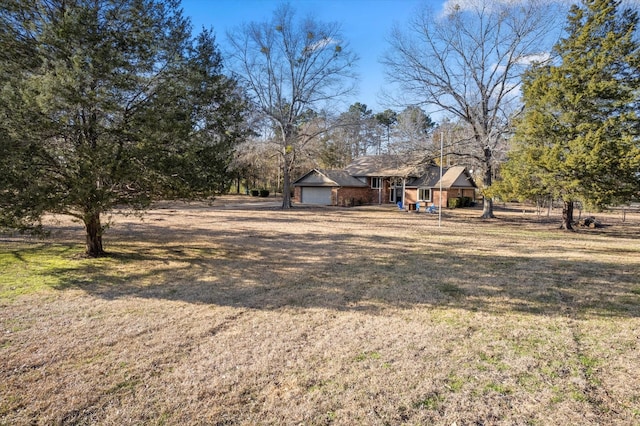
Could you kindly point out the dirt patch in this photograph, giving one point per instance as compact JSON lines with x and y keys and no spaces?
{"x":241,"y":313}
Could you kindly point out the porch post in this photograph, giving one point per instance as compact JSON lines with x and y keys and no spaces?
{"x":404,"y":192}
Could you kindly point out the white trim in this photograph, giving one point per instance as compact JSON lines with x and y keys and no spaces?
{"x":430,"y":192}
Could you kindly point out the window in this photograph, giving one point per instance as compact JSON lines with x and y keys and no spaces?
{"x":376,"y":183}
{"x":424,"y":194}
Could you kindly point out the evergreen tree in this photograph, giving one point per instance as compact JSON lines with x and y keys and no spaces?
{"x":578,"y":139}
{"x":386,"y":119}
{"x":105,"y":103}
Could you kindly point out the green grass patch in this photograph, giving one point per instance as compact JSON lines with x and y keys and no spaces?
{"x":498,"y":388}
{"x":430,"y":402}
{"x":529,"y":382}
{"x":363,"y":356}
{"x":589,"y":366}
{"x":455,"y":383}
{"x":31,"y":269}
{"x":28,"y":269}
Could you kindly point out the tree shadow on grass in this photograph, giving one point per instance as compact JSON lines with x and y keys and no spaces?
{"x":354,"y":271}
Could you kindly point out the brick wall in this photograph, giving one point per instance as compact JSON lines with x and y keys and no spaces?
{"x":471,"y":193}
{"x":435,"y":196}
{"x":410,"y":195}
{"x":347,"y":197}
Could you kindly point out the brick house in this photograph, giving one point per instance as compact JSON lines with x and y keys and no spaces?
{"x":381,"y":180}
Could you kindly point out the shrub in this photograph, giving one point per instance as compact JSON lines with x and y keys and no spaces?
{"x":264,"y":192}
{"x":255,"y":192}
{"x":454,"y":203}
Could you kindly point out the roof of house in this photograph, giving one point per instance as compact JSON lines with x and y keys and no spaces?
{"x":453,"y":177}
{"x":329,"y":178}
{"x":428,"y":179}
{"x":379,"y":166}
{"x":456,"y":177}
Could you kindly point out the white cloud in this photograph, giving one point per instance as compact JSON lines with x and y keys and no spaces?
{"x":320,"y":44}
{"x":539,"y":57}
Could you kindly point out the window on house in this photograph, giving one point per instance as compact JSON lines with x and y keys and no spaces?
{"x":424,"y":194}
{"x":376,"y":183}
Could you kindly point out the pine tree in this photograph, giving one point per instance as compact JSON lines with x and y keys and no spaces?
{"x":578,"y":139}
{"x":108,"y":103}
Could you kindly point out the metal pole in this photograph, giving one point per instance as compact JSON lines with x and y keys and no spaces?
{"x":441,"y":158}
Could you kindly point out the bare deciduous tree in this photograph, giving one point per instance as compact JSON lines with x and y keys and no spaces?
{"x":412,"y":133}
{"x":290,"y":67}
{"x":468,"y":62}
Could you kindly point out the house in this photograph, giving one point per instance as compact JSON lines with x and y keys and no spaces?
{"x":383,"y":179}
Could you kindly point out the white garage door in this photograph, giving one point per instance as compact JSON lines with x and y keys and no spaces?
{"x":316,"y":195}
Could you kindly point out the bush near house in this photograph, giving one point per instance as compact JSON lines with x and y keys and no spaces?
{"x":454,"y":203}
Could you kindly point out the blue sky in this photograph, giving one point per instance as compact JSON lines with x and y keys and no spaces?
{"x":365,"y":23}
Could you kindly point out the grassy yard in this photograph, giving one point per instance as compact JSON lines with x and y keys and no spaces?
{"x":246,"y":314}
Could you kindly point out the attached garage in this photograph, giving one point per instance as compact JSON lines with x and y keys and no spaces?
{"x":330,"y":187}
{"x":315,"y":195}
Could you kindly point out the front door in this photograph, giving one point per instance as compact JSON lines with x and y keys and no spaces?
{"x":396,"y":194}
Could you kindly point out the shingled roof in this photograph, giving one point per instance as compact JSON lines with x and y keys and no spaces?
{"x":428,"y":178}
{"x":456,"y":177}
{"x":329,"y":178}
{"x":387,"y":166}
{"x":453,"y":177}
{"x":379,"y":166}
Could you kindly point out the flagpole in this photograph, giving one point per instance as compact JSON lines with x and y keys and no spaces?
{"x":440,"y":207}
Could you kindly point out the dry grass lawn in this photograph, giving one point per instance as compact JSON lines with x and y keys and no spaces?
{"x":245,"y":314}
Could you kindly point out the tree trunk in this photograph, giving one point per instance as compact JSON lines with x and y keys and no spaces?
{"x":286,"y":185}
{"x":487,"y":180}
{"x":288,"y":158}
{"x":567,"y":216}
{"x":487,"y":208}
{"x":93,"y":230}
